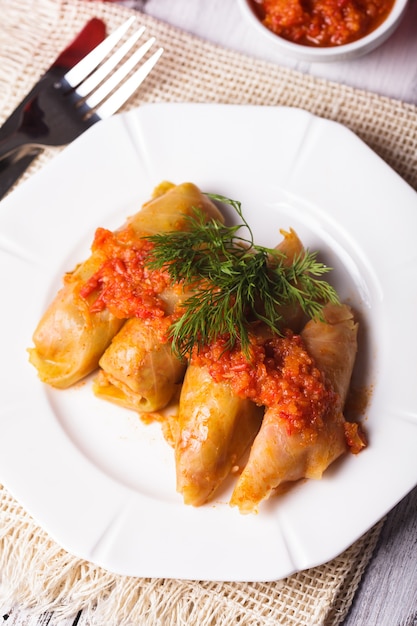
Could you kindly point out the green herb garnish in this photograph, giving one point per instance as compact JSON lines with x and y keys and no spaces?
{"x":233,"y":281}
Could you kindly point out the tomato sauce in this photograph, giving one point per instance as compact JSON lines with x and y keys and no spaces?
{"x":322,"y":23}
{"x":123,"y":284}
{"x":279,"y":374}
{"x":355,"y":437}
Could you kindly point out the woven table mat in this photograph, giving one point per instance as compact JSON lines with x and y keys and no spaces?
{"x":34,"y":570}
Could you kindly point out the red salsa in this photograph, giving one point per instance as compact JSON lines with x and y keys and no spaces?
{"x":279,"y":374}
{"x":322,"y":23}
{"x":355,"y":437}
{"x":122,"y":283}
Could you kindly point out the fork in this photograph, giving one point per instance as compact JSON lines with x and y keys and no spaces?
{"x":89,"y":92}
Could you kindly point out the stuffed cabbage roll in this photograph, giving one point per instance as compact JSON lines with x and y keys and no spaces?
{"x":216,"y":425}
{"x":88,"y":311}
{"x":303,"y":432}
{"x":291,"y":247}
{"x":70,"y":339}
{"x":139,"y":371}
{"x":333,"y":344}
{"x":214,"y":429}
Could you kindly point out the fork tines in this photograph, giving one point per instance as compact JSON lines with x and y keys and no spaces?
{"x":89,"y":76}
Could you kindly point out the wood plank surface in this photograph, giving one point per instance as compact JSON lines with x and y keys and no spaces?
{"x":387,"y":595}
{"x":388,"y":592}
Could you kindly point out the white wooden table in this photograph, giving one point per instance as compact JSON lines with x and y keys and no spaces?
{"x":388,"y":592}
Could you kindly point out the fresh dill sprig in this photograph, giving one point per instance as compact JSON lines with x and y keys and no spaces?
{"x":233,"y":281}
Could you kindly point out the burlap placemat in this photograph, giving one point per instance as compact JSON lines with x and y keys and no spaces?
{"x":34,"y":570}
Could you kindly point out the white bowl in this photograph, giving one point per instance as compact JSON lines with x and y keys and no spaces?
{"x":334,"y":53}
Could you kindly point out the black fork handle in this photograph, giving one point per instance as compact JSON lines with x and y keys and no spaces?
{"x":11,"y":169}
{"x":15,"y":162}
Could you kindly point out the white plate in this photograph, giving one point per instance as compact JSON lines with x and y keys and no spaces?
{"x":101,"y":483}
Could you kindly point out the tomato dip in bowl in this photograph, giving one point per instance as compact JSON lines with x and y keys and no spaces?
{"x":325,"y":30}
